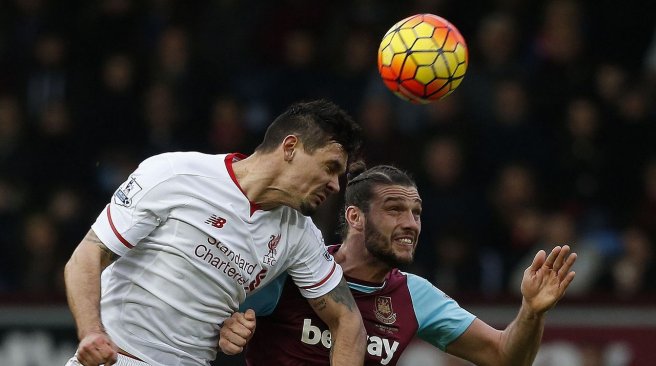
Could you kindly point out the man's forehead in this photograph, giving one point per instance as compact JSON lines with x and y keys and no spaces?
{"x":334,"y":151}
{"x":397,"y":193}
{"x":334,"y":148}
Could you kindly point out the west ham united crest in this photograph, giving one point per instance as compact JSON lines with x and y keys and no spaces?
{"x":384,"y":311}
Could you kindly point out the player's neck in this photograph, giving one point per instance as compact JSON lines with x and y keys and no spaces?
{"x":257,"y":178}
{"x":359,"y":264}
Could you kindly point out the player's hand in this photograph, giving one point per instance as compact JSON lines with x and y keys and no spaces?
{"x":96,"y":348}
{"x":547,"y":278}
{"x":236,"y":332}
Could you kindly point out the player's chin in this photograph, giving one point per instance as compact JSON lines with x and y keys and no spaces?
{"x":308,"y":208}
{"x":404,"y":255}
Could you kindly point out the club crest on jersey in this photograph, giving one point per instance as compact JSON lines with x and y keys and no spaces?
{"x":270,"y":258}
{"x":384,"y":311}
{"x":125,"y":193}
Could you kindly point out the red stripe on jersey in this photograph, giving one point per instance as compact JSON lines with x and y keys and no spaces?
{"x":111,"y":224}
{"x":228,"y":162}
{"x":322,"y":281}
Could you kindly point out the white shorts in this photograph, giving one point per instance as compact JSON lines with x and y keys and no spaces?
{"x":123,"y":360}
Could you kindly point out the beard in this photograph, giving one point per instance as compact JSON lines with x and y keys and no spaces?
{"x":381,"y":247}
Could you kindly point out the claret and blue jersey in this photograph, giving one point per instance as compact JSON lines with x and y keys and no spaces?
{"x":404,"y":306}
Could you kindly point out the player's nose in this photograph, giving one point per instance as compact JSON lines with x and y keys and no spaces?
{"x":409,"y":221}
{"x":333,"y":185}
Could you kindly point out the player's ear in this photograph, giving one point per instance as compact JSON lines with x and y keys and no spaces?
{"x":354,"y":217}
{"x":289,"y":146}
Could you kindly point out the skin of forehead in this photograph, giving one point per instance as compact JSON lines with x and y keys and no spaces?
{"x":334,"y":151}
{"x":385,"y":192}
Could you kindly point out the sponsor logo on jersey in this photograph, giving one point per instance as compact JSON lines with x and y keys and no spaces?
{"x":270,"y":258}
{"x":377,"y":347}
{"x":384,"y":312}
{"x":216,"y":221}
{"x":233,"y":264}
{"x":256,"y":282}
{"x":126,"y":192}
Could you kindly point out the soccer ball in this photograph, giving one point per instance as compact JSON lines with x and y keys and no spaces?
{"x":422,"y":58}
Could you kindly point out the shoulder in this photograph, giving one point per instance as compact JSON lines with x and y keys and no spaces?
{"x":421,"y":289}
{"x":190,"y":163}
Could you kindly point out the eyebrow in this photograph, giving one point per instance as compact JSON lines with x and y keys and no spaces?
{"x":336,"y":165}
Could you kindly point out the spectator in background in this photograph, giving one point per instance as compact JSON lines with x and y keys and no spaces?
{"x":497,"y":47}
{"x":13,"y":141}
{"x":514,"y":194}
{"x":112,"y":106}
{"x":561,"y":58}
{"x":352,"y":71}
{"x":629,"y":147}
{"x":451,"y":201}
{"x":458,"y":268}
{"x":511,"y":133}
{"x":66,"y":208}
{"x":632,"y":271}
{"x":56,"y":154}
{"x":41,"y":265}
{"x":48,"y":81}
{"x":560,"y":227}
{"x":162,"y":119}
{"x":175,"y":67}
{"x":581,"y":157}
{"x":384,"y":143}
{"x":227,"y":130}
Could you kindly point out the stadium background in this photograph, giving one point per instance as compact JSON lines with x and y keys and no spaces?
{"x":550,"y":139}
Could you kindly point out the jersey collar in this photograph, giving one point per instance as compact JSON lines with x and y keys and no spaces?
{"x":360,"y":285}
{"x":229,"y":159}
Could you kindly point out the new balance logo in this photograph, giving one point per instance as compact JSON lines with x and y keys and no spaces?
{"x":216,"y":221}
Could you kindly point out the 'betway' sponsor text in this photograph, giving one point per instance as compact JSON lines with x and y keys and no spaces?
{"x":376,"y":346}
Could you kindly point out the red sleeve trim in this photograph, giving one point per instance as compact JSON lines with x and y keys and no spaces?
{"x":324,"y":279}
{"x":111,"y":224}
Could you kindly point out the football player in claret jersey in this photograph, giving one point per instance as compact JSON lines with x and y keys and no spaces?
{"x":195,"y":233}
{"x":381,"y":227}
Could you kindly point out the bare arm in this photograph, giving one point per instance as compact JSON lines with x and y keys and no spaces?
{"x":339,"y":311}
{"x":82,"y":276}
{"x":544,"y":283}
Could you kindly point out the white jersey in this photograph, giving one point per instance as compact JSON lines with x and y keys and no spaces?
{"x":192,"y":247}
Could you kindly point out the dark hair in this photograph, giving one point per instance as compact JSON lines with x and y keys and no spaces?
{"x":361,"y":184}
{"x":316,"y":123}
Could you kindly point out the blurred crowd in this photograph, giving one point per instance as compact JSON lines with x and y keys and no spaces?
{"x":550,"y":139}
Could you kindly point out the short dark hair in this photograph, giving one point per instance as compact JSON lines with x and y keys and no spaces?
{"x":316,"y":123}
{"x":361,"y":183}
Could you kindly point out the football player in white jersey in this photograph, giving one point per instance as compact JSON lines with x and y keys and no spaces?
{"x":189,"y":235}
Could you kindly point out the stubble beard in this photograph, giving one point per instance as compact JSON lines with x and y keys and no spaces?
{"x":381,"y":247}
{"x":307,"y":209}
